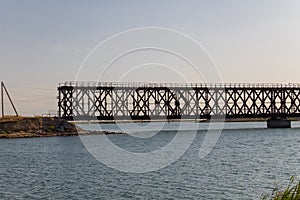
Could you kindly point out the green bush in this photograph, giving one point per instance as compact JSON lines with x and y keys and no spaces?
{"x":51,"y":129}
{"x":292,"y":192}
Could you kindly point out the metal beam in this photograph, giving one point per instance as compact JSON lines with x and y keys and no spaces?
{"x":109,"y":101}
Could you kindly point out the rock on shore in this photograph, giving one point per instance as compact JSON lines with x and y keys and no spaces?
{"x":17,"y":127}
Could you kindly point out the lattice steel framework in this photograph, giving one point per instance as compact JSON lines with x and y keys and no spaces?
{"x":145,"y":101}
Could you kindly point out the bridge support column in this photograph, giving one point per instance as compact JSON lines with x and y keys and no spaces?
{"x":278,"y":123}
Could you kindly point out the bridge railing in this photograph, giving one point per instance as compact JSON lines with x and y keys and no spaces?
{"x":178,"y":85}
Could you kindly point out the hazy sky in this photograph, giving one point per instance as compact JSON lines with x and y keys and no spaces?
{"x":43,"y":43}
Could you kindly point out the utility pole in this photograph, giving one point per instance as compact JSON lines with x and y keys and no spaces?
{"x":2,"y":103}
{"x":3,"y":88}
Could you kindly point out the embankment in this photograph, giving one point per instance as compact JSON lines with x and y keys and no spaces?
{"x":21,"y":127}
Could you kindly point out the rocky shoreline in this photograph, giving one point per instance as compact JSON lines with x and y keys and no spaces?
{"x":31,"y":135}
{"x":56,"y":134}
{"x":28,"y":127}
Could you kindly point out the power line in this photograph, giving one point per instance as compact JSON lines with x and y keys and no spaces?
{"x":34,"y":88}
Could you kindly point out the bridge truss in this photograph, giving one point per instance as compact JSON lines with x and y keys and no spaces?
{"x":146,"y":101}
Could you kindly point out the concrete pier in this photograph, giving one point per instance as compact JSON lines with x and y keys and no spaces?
{"x":278,"y":123}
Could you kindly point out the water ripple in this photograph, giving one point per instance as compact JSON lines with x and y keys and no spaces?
{"x":244,"y":164}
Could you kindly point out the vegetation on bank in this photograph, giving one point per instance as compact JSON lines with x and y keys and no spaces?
{"x":25,"y":127}
{"x":11,"y":127}
{"x":291,"y":192}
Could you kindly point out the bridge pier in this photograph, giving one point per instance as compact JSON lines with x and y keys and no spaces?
{"x":278,"y":123}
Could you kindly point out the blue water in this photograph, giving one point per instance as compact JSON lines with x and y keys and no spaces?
{"x":246,"y":162}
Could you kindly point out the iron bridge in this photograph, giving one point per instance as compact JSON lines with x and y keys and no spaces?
{"x":155,"y":101}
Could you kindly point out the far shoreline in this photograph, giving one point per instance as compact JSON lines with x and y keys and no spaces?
{"x":56,"y":134}
{"x":34,"y":127}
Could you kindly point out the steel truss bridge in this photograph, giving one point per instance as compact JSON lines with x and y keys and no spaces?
{"x":154,"y":101}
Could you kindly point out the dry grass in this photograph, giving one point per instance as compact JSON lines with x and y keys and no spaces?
{"x":291,"y":192}
{"x":16,"y":118}
{"x":11,"y":118}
